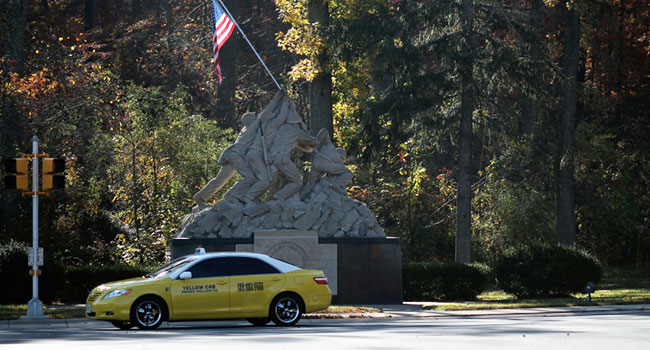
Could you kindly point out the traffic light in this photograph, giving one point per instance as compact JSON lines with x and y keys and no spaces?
{"x":16,"y":174}
{"x":52,"y":173}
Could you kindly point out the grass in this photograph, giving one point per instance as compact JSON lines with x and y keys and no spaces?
{"x":348,"y":309}
{"x":613,"y":290}
{"x":13,"y":312}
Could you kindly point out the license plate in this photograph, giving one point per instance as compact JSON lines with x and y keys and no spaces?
{"x":88,"y":309}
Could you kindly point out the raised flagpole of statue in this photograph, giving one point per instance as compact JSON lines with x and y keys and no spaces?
{"x":222,"y":28}
{"x":271,"y":194}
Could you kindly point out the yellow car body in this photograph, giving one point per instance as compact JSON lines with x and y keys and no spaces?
{"x":212,"y":286}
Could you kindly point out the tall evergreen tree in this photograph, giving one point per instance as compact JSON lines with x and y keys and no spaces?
{"x":439,"y":71}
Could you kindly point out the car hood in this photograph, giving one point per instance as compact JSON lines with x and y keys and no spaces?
{"x":128,"y":283}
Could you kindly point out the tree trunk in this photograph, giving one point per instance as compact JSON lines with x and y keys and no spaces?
{"x":15,"y":21}
{"x":536,"y":21}
{"x":11,"y":121}
{"x":90,"y":15}
{"x":135,"y":191}
{"x":464,"y":199}
{"x":165,"y":9}
{"x":564,"y":163}
{"x":226,"y":92}
{"x":320,"y":89}
{"x":136,"y":9}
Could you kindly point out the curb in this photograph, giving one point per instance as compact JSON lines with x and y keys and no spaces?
{"x":523,"y":311}
{"x":316,"y":316}
{"x":389,"y":312}
{"x":49,"y":322}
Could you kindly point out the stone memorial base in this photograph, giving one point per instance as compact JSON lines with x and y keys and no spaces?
{"x":359,"y":270}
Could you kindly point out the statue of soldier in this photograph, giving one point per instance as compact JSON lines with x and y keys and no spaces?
{"x":233,"y":158}
{"x":292,"y":134}
{"x":329,"y":160}
{"x":257,"y":156}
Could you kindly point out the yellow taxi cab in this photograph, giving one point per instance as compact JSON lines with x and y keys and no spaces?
{"x":211,"y":286}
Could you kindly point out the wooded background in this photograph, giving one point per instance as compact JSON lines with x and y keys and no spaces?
{"x":471,"y":126}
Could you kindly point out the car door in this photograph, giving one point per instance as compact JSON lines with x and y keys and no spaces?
{"x":253,"y":283}
{"x":205,"y":295}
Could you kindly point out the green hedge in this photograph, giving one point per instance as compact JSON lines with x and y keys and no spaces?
{"x":79,"y":281}
{"x":546,"y":270}
{"x":443,"y":281}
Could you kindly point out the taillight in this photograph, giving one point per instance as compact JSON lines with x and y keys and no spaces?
{"x":320,"y":280}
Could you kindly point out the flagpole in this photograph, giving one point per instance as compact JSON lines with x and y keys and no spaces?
{"x":251,"y":45}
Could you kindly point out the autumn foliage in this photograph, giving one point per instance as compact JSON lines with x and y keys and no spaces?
{"x":124,"y":90}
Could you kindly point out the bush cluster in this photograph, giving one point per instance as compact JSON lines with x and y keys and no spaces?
{"x":543,"y":270}
{"x":443,"y":281}
{"x":57,"y":283}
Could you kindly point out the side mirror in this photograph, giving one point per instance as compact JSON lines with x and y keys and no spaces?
{"x":185,"y":275}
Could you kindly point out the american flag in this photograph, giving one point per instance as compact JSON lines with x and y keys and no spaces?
{"x":222,"y":28}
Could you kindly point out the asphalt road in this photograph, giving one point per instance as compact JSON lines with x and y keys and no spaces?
{"x":602,"y":330}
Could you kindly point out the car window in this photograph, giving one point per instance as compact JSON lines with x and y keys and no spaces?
{"x":216,"y":267}
{"x":171,"y":266}
{"x":250,"y":266}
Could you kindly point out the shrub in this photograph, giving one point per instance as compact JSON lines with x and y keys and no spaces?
{"x":443,"y":281}
{"x":65,"y":284}
{"x":79,"y":281}
{"x":17,"y":283}
{"x":542,"y":270}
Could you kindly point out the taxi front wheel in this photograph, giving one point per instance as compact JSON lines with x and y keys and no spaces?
{"x":285,"y":310}
{"x":147,"y":313}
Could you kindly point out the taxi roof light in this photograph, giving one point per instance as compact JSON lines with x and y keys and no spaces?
{"x":199,"y":250}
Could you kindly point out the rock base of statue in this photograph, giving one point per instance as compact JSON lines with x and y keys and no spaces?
{"x":362,"y":270}
{"x":319,"y":228}
{"x":324,"y":208}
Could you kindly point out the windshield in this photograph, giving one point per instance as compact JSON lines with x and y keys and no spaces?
{"x":170,"y":267}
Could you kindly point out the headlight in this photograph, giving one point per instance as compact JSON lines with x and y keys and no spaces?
{"x":117,"y":293}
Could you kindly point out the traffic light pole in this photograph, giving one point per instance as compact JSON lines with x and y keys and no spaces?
{"x":35,"y":306}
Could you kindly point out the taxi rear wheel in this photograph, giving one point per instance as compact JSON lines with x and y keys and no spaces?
{"x":286,"y":310}
{"x":123,"y":325}
{"x":148,"y":313}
